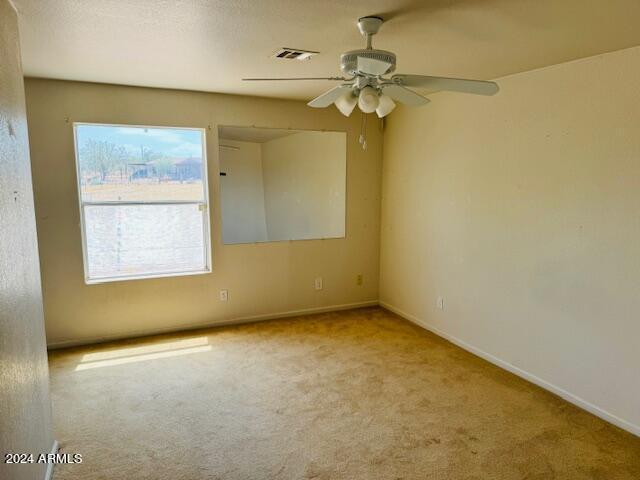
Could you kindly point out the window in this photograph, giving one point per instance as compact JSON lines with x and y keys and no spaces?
{"x":143,"y":201}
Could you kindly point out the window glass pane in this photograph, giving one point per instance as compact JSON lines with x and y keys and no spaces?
{"x":122,"y":163}
{"x":130,"y":240}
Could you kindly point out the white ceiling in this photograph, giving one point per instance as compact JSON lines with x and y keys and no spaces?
{"x":252,"y":134}
{"x":210,"y":45}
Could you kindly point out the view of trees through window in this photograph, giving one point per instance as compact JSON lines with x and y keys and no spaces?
{"x":143,"y":200}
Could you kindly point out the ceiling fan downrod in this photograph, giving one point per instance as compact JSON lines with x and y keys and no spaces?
{"x":368,"y":27}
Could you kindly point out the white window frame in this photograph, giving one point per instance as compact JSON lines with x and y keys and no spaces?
{"x":202,"y":205}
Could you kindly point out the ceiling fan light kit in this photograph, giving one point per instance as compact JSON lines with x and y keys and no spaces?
{"x":368,"y":99}
{"x":385,"y":106}
{"x":367,"y":86}
{"x":346,"y":102}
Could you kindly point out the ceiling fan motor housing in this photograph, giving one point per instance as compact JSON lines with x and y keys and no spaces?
{"x":349,"y":60}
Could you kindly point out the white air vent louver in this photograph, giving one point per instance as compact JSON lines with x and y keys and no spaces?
{"x":286,"y":53}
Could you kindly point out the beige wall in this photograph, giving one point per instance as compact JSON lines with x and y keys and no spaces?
{"x":242,"y":193}
{"x":304,"y":185}
{"x":25,"y":410}
{"x":263,"y":279}
{"x":523,"y":212}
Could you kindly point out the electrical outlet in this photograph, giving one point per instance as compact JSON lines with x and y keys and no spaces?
{"x":359,"y":279}
{"x":318,"y":283}
{"x":441,"y":303}
{"x":224,"y":295}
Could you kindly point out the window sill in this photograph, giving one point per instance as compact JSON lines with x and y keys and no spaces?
{"x":96,"y":281}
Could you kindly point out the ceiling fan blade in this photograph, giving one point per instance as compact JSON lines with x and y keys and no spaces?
{"x":327,"y":98}
{"x":372,"y":66}
{"x":404,"y":95}
{"x":339,"y":79}
{"x":477,"y":87}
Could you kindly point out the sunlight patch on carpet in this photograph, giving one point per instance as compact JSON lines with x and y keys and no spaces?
{"x":139,"y":354}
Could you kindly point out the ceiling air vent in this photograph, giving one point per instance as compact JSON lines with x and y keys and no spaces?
{"x":293,"y":54}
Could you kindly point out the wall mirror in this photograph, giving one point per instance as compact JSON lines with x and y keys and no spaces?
{"x":281,"y":184}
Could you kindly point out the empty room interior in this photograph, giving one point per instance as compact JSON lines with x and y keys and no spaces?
{"x":324,"y":240}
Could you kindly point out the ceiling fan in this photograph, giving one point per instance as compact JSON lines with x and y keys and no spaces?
{"x":367,"y":87}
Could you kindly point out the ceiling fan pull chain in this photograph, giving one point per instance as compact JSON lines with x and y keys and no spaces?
{"x":363,"y":130}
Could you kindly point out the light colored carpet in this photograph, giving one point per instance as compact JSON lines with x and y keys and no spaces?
{"x":361,"y":394}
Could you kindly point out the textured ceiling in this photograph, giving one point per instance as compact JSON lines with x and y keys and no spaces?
{"x":210,"y":45}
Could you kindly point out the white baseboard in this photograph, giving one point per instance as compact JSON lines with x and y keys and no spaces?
{"x":218,"y":323}
{"x":568,"y":396}
{"x":48,"y":475}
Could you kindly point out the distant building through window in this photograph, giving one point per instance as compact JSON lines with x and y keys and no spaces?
{"x":143,"y":201}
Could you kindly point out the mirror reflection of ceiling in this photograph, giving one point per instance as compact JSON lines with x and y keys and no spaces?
{"x":210,"y":45}
{"x":281,"y":184}
{"x":252,"y":134}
